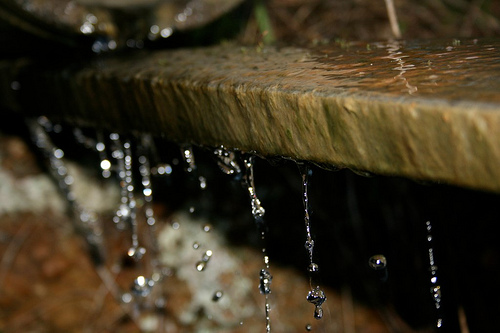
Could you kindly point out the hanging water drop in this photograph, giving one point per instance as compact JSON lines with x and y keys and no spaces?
{"x":226,"y":160}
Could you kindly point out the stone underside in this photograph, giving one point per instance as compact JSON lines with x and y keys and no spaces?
{"x":427,"y":110}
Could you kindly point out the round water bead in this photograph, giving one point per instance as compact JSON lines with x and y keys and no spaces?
{"x":207,"y":227}
{"x":196,"y":245}
{"x":126,"y":298}
{"x":377,"y":262}
{"x":142,"y":286}
{"x":309,"y":327}
{"x":217,"y":295}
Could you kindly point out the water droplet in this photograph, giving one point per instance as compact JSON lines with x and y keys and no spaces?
{"x":265,"y":281}
{"x":207,"y":227}
{"x":313,"y":268}
{"x":100,"y":146}
{"x":226,"y":160}
{"x":217,"y":295}
{"x":308,"y":327}
{"x":196,"y":245}
{"x":200,"y":265}
{"x":187,"y":154}
{"x":316,"y":296}
{"x":175,"y":225}
{"x":318,"y":312}
{"x":377,"y":262}
{"x":192,"y":209}
{"x":15,"y":85}
{"x":58,"y":153}
{"x":105,"y":164}
{"x":126,"y":298}
{"x":142,"y":286}
{"x":160,"y":303}
{"x":136,"y":253}
{"x":203,"y":182}
{"x":309,"y":245}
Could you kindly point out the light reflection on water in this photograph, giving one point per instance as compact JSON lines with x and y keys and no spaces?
{"x":447,"y":68}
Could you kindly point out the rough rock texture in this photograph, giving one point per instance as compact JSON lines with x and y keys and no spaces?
{"x":425,"y":110}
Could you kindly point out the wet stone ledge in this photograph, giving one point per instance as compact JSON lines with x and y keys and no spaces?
{"x":422,"y":110}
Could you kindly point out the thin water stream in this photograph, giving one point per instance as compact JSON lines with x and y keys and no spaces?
{"x":328,"y":238}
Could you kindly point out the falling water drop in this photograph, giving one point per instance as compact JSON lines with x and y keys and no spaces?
{"x":142,"y":286}
{"x":203,"y":182}
{"x":127,"y":298}
{"x":312,"y":268}
{"x":377,"y":262}
{"x":136,"y":253}
{"x":202,"y":264}
{"x":317,"y":297}
{"x":217,"y":295}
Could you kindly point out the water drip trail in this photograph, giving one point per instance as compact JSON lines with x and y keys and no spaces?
{"x":435,"y":286}
{"x":88,"y":224}
{"x":316,"y":296}
{"x":127,"y":212}
{"x":258,"y":212}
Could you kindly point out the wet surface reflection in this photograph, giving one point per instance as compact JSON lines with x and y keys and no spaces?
{"x":448,"y":68}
